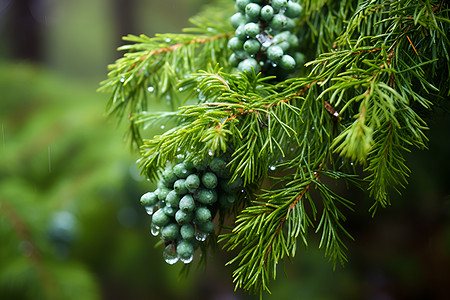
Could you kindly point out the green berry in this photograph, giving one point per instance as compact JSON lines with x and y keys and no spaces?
{"x":209,"y":180}
{"x":192,"y":182}
{"x":183,"y":218}
{"x":206,"y":227}
{"x":202,"y":214}
{"x":252,"y":46}
{"x":181,"y":171}
{"x":252,"y":10}
{"x":170,"y":232}
{"x":235,"y":43}
{"x":249,"y":65}
{"x":237,"y":19}
{"x":169,"y":210}
{"x":149,"y":199}
{"x":284,"y":45}
{"x":233,"y":61}
{"x":299,"y":58}
{"x":180,"y":186}
{"x":205,"y":196}
{"x":185,"y":249}
{"x":159,"y":218}
{"x":219,"y":166}
{"x":274,"y":53}
{"x":240,"y":32}
{"x":279,"y":22}
{"x":241,"y":54}
{"x":187,"y":231}
{"x":293,"y":9}
{"x":169,"y":176}
{"x":226,"y":199}
{"x":162,"y":193}
{"x":293,"y":41}
{"x":287,"y":62}
{"x":241,"y":4}
{"x":251,"y":29}
{"x":267,"y":13}
{"x":278,"y":4}
{"x":172,"y":199}
{"x":187,"y":203}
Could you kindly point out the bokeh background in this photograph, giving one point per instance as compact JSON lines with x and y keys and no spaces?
{"x":71,"y":226}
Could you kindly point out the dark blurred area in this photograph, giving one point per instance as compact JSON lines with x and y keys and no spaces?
{"x":71,"y":226}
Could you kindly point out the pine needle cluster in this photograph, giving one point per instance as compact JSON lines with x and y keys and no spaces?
{"x":374,"y":68}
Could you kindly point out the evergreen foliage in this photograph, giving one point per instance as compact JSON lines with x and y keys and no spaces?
{"x":374,"y":69}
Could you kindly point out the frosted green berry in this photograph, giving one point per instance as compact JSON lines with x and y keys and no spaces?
{"x":279,"y":22}
{"x":159,"y":218}
{"x":181,"y":171}
{"x":168,"y":175}
{"x":149,"y":199}
{"x":251,"y":29}
{"x":241,"y":4}
{"x":293,"y":41}
{"x":170,"y":232}
{"x":180,"y":186}
{"x":206,"y":227}
{"x":187,"y":203}
{"x":235,"y":43}
{"x":252,"y":46}
{"x":237,"y":19}
{"x":192,"y":182}
{"x":293,"y":9}
{"x":240,"y":32}
{"x":252,"y":11}
{"x":267,"y":13}
{"x":187,"y":231}
{"x":278,"y":4}
{"x":274,"y":53}
{"x":284,"y":45}
{"x":185,"y":249}
{"x":182,"y":217}
{"x":249,"y":65}
{"x":202,"y":214}
{"x":173,"y":199}
{"x":162,"y":192}
{"x":209,"y":180}
{"x":287,"y":62}
{"x":205,"y":196}
{"x":169,"y":210}
{"x":233,"y":60}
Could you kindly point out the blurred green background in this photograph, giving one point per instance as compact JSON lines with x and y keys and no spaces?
{"x":71,"y":226}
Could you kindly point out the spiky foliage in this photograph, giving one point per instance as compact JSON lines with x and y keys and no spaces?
{"x":374,"y":68}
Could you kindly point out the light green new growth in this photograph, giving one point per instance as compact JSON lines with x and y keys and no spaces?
{"x":375,"y":68}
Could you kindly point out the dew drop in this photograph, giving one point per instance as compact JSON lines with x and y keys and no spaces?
{"x":155,"y":230}
{"x":167,"y":40}
{"x":210,"y":153}
{"x":200,"y":236}
{"x":351,"y":164}
{"x":180,"y":89}
{"x":274,"y":65}
{"x":150,"y":209}
{"x":292,"y":149}
{"x":162,"y":126}
{"x":170,"y":254}
{"x":122,"y":79}
{"x":187,"y":260}
{"x":272,"y":168}
{"x":150,"y":89}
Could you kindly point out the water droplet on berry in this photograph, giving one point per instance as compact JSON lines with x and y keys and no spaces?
{"x":150,"y":209}
{"x":155,"y":230}
{"x":170,"y":254}
{"x":200,"y":236}
{"x":187,"y":260}
{"x":150,"y":89}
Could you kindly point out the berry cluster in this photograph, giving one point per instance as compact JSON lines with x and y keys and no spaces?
{"x":188,"y":196}
{"x":263,"y":37}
